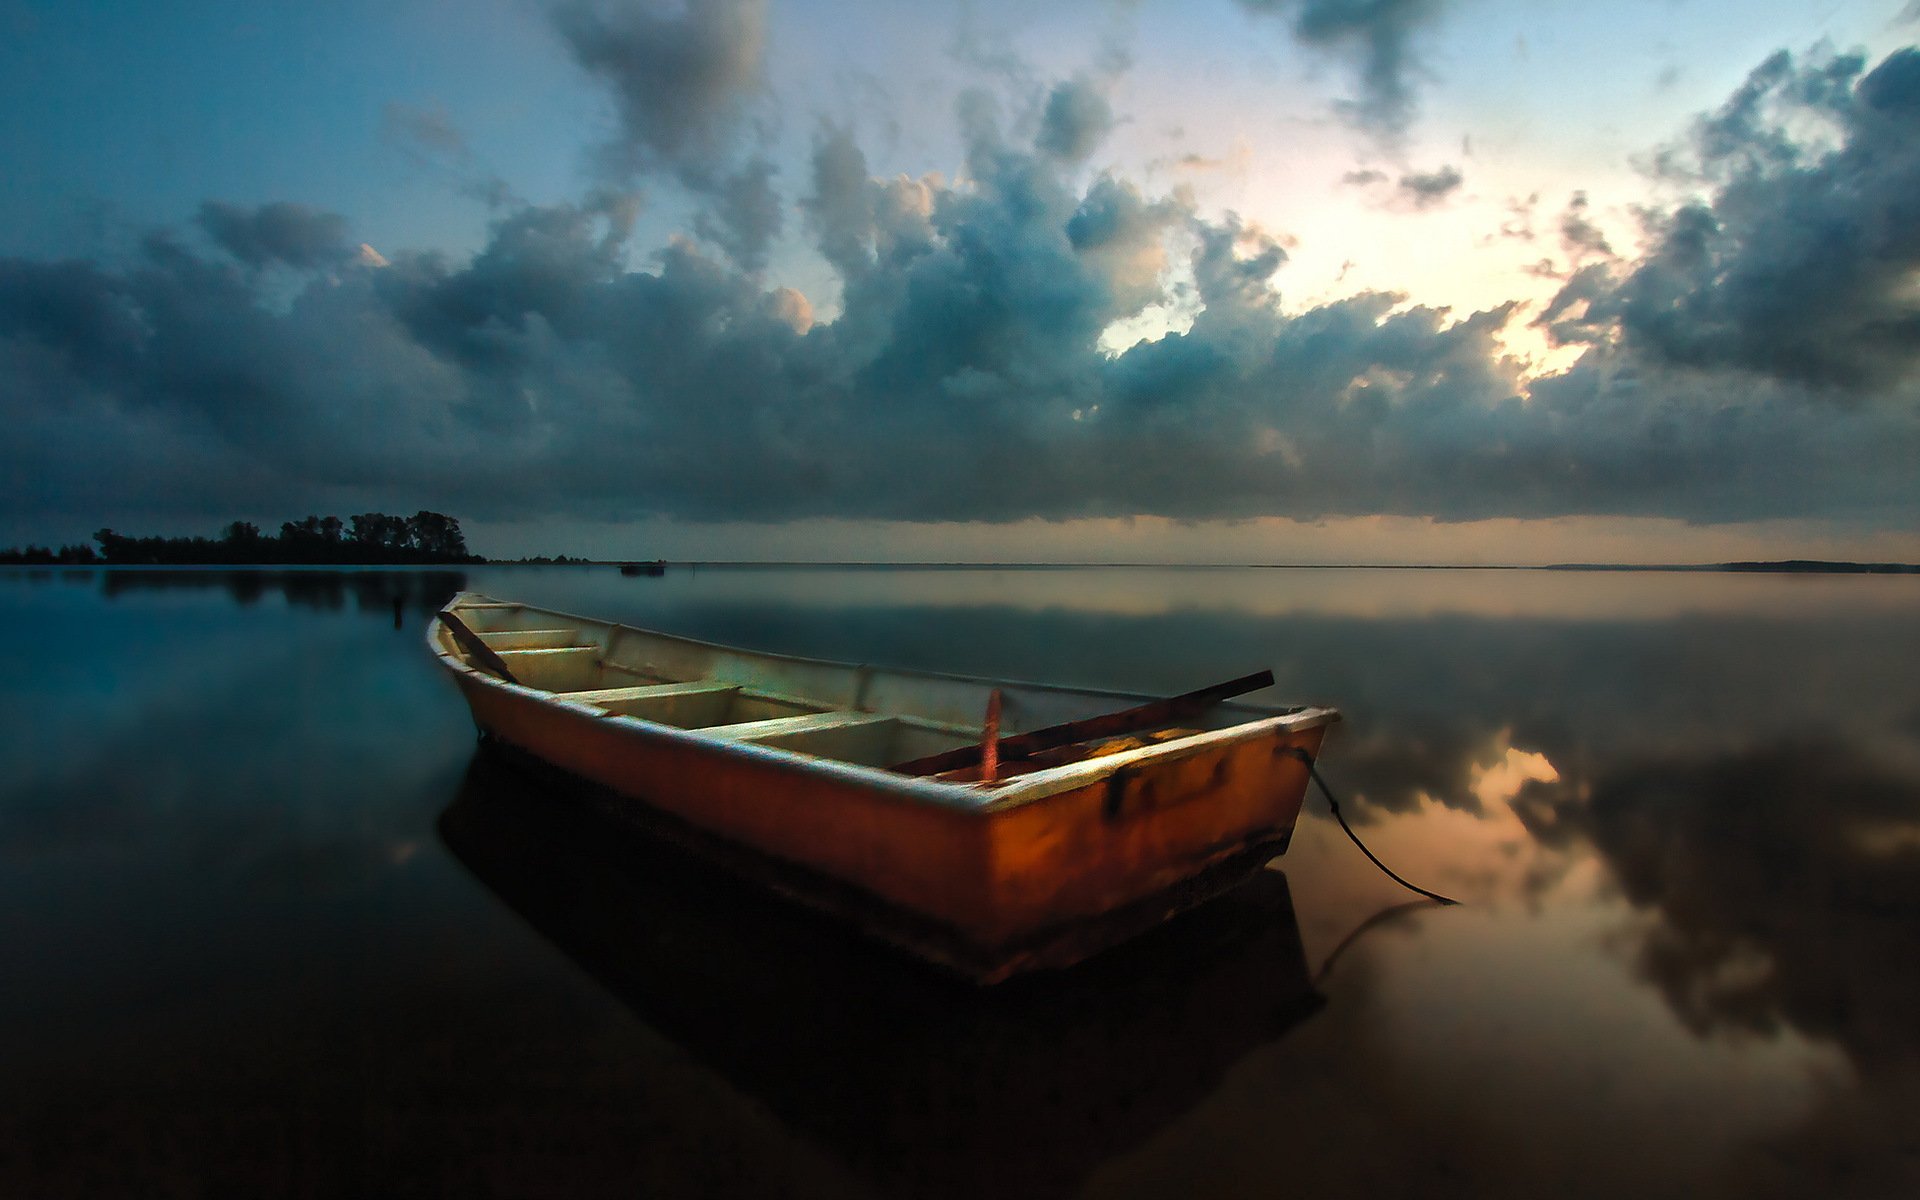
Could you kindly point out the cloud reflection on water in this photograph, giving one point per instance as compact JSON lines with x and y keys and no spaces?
{"x":1684,"y":829}
{"x":1782,"y":883}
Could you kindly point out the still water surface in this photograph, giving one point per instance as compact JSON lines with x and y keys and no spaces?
{"x":269,"y":925}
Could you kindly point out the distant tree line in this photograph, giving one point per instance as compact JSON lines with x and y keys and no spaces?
{"x":425,"y":537}
{"x":44,"y":556}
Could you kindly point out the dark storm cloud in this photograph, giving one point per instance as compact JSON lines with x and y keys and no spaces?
{"x":862,"y":225}
{"x":684,"y":79}
{"x":1411,"y":191}
{"x":73,"y":312}
{"x":539,"y":275}
{"x":1579,"y":236}
{"x":292,"y":234}
{"x":962,"y":374}
{"x":1076,"y":118}
{"x":1428,"y":188}
{"x":1122,"y":235}
{"x":681,"y":75}
{"x":1378,"y":36}
{"x":1798,"y":262}
{"x":746,"y":215}
{"x":1568,"y":316}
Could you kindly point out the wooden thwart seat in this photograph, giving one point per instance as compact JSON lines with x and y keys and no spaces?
{"x":686,"y":705}
{"x":551,"y":654}
{"x":652,"y":691}
{"x":566,"y":669}
{"x":531,"y":639}
{"x":640,"y":672}
{"x":779,"y":727}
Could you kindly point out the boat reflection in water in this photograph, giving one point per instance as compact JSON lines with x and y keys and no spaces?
{"x":917,"y":1081}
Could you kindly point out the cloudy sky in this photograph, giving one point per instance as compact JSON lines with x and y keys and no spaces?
{"x":1219,"y":281}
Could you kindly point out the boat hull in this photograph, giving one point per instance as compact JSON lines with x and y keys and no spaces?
{"x":987,"y":885}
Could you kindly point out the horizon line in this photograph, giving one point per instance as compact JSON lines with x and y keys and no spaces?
{"x":1808,"y":565}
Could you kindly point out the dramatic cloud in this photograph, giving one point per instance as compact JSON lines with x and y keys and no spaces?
{"x":1377,"y":35}
{"x":1412,"y":190}
{"x":1579,"y":236}
{"x":1428,"y":188}
{"x":1123,"y":236}
{"x":1799,"y":264}
{"x":964,"y":372}
{"x":1077,"y":116}
{"x":291,"y":234}
{"x":681,"y":75}
{"x":746,"y":215}
{"x":683,"y":79}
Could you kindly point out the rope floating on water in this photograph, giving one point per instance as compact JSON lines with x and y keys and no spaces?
{"x":1334,"y":804}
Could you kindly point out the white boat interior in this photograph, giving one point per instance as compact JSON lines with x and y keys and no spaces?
{"x":865,"y":716}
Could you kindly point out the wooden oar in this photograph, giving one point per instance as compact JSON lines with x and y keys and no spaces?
{"x":1113,"y":724}
{"x":481,"y":653}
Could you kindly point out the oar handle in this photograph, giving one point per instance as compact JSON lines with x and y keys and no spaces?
{"x":1113,"y":724}
{"x":478,"y":651}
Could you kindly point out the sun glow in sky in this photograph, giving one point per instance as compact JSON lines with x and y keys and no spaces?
{"x":1240,"y":280}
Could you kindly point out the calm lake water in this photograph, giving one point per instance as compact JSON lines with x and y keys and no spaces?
{"x":270,"y":926}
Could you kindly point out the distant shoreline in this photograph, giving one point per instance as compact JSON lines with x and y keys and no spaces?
{"x":1792,"y":566}
{"x":1779,"y":567}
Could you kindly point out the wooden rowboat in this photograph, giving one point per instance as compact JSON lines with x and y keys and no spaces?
{"x":991,"y":827}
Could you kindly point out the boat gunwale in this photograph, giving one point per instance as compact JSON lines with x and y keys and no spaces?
{"x":1013,"y":792}
{"x":909,"y":672}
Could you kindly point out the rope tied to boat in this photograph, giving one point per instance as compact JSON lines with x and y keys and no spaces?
{"x":1334,"y":804}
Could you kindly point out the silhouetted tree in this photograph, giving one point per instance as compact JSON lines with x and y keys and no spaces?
{"x":424,"y":537}
{"x":113,"y":547}
{"x":242,"y":531}
{"x":436,"y":534}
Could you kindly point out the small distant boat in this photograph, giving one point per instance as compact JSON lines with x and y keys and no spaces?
{"x":656,"y":567}
{"x":990,"y":827}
